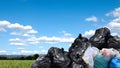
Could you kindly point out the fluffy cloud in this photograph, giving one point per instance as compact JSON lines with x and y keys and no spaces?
{"x":3,"y":51}
{"x":43,"y":39}
{"x":115,"y":23}
{"x":22,"y":34}
{"x":32,"y":32}
{"x":17,"y":44}
{"x":4,"y":23}
{"x":66,"y":34}
{"x":115,"y":12}
{"x":16,"y":40}
{"x":92,"y":19}
{"x":17,"y":28}
{"x":89,"y":33}
{"x":28,"y":52}
{"x":50,"y":40}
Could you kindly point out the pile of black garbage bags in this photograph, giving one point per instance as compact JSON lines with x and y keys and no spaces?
{"x":100,"y":49}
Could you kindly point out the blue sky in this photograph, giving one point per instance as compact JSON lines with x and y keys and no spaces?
{"x":33,"y":26}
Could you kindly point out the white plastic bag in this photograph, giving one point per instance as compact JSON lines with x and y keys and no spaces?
{"x":89,"y":55}
{"x":109,"y":52}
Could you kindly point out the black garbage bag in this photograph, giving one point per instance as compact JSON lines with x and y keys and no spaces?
{"x":100,"y":38}
{"x":42,"y":62}
{"x":77,"y":54}
{"x":59,"y":58}
{"x":77,"y":43}
{"x":77,"y":50}
{"x":75,"y":65}
{"x":114,"y":42}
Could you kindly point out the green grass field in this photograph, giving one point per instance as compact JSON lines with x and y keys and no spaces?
{"x":16,"y":63}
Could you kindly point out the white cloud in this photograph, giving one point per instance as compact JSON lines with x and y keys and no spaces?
{"x":56,"y":39}
{"x":50,"y":40}
{"x":16,"y":40}
{"x":4,"y":23}
{"x":66,"y":34}
{"x":26,"y":51}
{"x":43,"y":39}
{"x":115,"y":13}
{"x":3,"y":51}
{"x":26,"y":35}
{"x":92,"y":19}
{"x":115,"y":23}
{"x":89,"y":33}
{"x":32,"y":32}
{"x":17,"y":29}
{"x":21,"y":34}
{"x":17,"y":44}
{"x":14,"y":33}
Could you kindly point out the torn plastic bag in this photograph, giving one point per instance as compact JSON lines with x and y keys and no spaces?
{"x":109,"y":52}
{"x":89,"y":55}
{"x":114,"y":42}
{"x":101,"y":61}
{"x":42,"y":62}
{"x":115,"y":63}
{"x":100,"y":38}
{"x":59,"y":58}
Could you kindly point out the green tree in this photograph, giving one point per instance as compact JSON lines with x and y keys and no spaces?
{"x":35,"y":56}
{"x":29,"y":58}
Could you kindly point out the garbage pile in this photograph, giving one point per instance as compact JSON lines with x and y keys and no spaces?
{"x":100,"y":51}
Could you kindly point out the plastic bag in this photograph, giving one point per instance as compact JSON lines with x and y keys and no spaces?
{"x":74,"y":65}
{"x":114,"y":42}
{"x":115,"y":63}
{"x":109,"y":52}
{"x":100,"y":38}
{"x":78,"y":42}
{"x":77,"y":54}
{"x":42,"y":62}
{"x":59,"y":57}
{"x":101,"y":61}
{"x":89,"y":55}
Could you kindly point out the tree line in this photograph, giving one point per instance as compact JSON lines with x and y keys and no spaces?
{"x":34,"y":57}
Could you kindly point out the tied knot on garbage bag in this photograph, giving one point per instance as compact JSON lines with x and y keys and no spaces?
{"x":99,"y":51}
